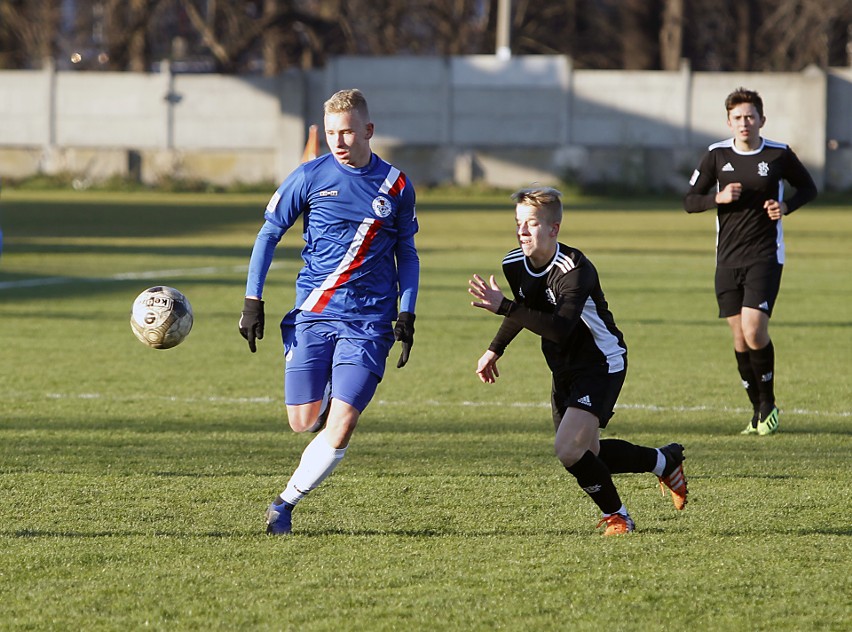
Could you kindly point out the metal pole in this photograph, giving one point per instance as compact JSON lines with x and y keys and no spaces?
{"x":504,"y":9}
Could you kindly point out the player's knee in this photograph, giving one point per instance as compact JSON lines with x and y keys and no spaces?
{"x":569,"y":452}
{"x":303,"y":417}
{"x":299,"y":425}
{"x":756,"y":338}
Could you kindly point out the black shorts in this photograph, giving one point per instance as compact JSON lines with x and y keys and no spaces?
{"x":754,"y":286}
{"x":591,"y":390}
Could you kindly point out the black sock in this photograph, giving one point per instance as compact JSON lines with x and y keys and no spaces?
{"x":594,"y":478}
{"x":749,"y":379}
{"x":622,"y":457}
{"x":763,"y":364}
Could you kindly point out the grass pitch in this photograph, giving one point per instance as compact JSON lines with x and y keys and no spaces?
{"x":134,"y":481}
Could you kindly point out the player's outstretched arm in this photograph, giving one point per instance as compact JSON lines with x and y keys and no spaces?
{"x":487,"y":294}
{"x":486,"y":368}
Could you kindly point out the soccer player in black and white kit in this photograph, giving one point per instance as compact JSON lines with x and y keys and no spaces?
{"x":558,"y":296}
{"x":743,"y":177}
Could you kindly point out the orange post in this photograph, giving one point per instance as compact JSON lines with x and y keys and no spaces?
{"x":312,"y":146}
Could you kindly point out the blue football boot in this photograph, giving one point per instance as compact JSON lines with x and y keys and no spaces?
{"x":279,"y":519}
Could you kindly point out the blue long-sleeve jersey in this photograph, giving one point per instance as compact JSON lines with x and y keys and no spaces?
{"x":360,"y":262}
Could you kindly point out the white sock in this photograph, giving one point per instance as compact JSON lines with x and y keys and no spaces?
{"x":661,"y":463}
{"x":318,"y":461}
{"x":622,"y":510}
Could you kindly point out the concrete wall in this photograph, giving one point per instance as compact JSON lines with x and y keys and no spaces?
{"x":838,"y":158}
{"x":455,"y":119}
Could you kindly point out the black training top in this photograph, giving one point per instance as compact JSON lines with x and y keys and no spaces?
{"x":564,"y":304}
{"x":745,"y":234}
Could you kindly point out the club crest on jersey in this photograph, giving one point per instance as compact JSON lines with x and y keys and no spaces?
{"x":381,"y":206}
{"x":763,"y":169}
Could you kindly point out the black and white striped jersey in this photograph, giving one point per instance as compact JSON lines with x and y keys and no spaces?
{"x":565,"y":305}
{"x":745,"y":234}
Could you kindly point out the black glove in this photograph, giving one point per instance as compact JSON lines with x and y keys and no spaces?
{"x":251,"y":321}
{"x":404,"y":332}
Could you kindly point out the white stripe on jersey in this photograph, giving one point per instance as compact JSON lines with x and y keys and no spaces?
{"x":393,"y":176}
{"x":563,"y":262}
{"x":332,"y":279}
{"x":514,"y":255}
{"x":604,"y":339}
{"x":728,"y":142}
{"x":718,"y":229}
{"x":779,"y":230}
{"x":774,"y":143}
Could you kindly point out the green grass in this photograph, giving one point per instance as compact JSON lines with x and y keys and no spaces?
{"x":133,"y":481}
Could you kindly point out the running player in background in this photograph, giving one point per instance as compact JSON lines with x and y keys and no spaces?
{"x":361,"y":272}
{"x":743,"y":177}
{"x":558,"y":296}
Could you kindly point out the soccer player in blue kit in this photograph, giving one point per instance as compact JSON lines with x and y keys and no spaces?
{"x":743,"y":178}
{"x":361,"y":272}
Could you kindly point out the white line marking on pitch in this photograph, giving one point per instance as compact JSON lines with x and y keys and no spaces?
{"x":436,"y":403}
{"x":125,"y":276}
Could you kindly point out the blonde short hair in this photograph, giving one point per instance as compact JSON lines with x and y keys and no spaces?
{"x":347,"y":101}
{"x":547,"y":199}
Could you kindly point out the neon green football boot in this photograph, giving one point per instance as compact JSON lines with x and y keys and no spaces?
{"x":751,"y":428}
{"x":769,"y":424}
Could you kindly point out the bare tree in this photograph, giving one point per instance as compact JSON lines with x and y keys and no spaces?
{"x":276,"y":35}
{"x":452,"y":27}
{"x":795,"y":33}
{"x":532,"y":27}
{"x":30,"y":32}
{"x":232,"y":36}
{"x":744,"y":12}
{"x":766,"y":35}
{"x":125,"y":27}
{"x":671,"y":35}
{"x":709,"y":28}
{"x":638,"y":35}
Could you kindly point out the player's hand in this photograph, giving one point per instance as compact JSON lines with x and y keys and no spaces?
{"x":775,"y":209}
{"x":486,"y":368}
{"x":731,"y":193}
{"x":403,"y":331}
{"x":487,"y":294}
{"x":251,"y":322}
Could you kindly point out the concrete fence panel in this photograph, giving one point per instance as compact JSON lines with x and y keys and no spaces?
{"x":442,"y":119}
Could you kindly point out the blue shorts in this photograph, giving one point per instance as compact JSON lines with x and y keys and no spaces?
{"x":321,"y":350}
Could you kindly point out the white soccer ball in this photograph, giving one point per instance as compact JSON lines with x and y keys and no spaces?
{"x":161,"y":317}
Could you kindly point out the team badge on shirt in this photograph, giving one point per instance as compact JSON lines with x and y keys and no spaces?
{"x":763,"y":169}
{"x":381,"y":206}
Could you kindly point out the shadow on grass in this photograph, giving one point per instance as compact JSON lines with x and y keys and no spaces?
{"x":842,"y":531}
{"x":415,"y":534}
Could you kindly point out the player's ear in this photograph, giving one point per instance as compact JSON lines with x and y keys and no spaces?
{"x":554,"y":229}
{"x":370,"y":130}
{"x":762,"y":121}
